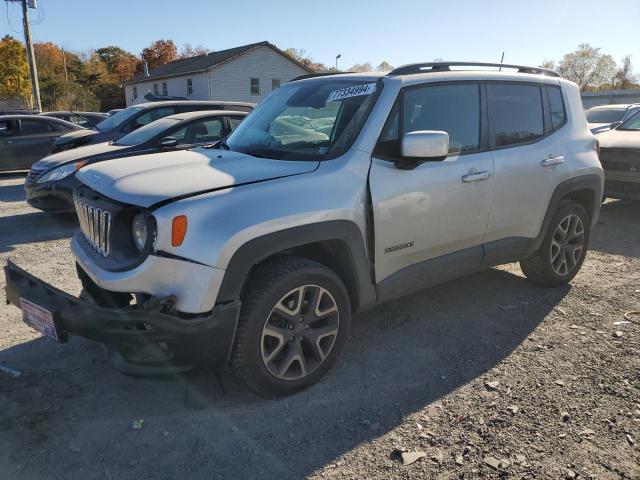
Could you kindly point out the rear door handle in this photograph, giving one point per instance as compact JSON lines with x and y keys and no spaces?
{"x":552,"y":161}
{"x":476,"y":177}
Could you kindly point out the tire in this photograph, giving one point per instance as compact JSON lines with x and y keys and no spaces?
{"x":545,"y":266}
{"x":282,"y":345}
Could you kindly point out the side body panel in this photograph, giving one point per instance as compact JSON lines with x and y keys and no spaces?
{"x":429,"y":211}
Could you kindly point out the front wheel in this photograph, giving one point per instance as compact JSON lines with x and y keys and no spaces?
{"x":294,"y":320}
{"x":563,"y":249}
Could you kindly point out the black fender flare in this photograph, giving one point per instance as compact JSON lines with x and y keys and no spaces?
{"x":258,"y":249}
{"x":591,"y":182}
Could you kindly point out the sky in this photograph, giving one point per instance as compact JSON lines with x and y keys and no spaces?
{"x":400,"y":31}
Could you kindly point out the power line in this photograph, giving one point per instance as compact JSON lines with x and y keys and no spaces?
{"x":6,"y":3}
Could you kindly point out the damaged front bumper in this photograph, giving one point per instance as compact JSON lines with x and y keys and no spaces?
{"x":144,"y":341}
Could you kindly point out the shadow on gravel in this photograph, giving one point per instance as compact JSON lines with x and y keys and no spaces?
{"x":34,"y":227}
{"x":618,"y":229}
{"x":68,"y":405}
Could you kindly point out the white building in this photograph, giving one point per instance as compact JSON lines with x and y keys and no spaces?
{"x":246,"y":74}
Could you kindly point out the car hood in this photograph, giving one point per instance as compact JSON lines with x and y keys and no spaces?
{"x":75,"y":135}
{"x":620,"y":139}
{"x":76,"y":154}
{"x":161,"y":177}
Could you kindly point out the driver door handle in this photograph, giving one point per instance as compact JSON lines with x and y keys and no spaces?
{"x":476,"y":177}
{"x":552,"y":161}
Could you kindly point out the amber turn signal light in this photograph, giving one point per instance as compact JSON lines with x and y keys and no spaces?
{"x":178,"y":230}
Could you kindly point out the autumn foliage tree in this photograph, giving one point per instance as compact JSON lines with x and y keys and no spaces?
{"x":159,"y":53}
{"x":14,"y":70}
{"x":120,"y":64}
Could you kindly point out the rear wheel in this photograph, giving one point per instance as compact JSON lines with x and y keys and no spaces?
{"x":563,"y":249}
{"x":293,"y":324}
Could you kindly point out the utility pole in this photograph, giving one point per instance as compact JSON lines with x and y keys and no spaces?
{"x":64,"y":63}
{"x":337,"y":57}
{"x":33,"y":70}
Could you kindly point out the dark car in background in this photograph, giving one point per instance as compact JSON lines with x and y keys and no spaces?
{"x":25,"y":139}
{"x":134,"y":117}
{"x":620,"y":158}
{"x":83,"y":119}
{"x":50,"y":183}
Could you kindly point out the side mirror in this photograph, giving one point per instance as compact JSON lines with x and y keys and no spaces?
{"x":168,"y":142}
{"x":425,"y":145}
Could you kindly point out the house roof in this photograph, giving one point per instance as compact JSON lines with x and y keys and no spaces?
{"x":204,"y":62}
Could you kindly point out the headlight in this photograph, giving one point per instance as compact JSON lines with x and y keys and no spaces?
{"x":139,"y":231}
{"x":61,"y":172}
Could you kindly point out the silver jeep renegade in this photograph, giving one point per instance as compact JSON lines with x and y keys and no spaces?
{"x":338,"y":192}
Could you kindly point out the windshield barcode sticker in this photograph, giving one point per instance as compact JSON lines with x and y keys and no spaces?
{"x":366,"y":89}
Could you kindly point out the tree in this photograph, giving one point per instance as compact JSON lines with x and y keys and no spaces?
{"x":159,"y":53}
{"x":50,"y":61}
{"x":120,"y":64}
{"x":587,"y":67}
{"x":188,"y":51}
{"x":361,"y":67}
{"x":384,"y":67}
{"x":14,"y":70}
{"x":301,"y":56}
{"x":550,"y":64}
{"x":624,"y":75}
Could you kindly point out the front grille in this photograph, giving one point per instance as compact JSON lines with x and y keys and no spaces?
{"x":620,"y":159}
{"x":95,"y":224}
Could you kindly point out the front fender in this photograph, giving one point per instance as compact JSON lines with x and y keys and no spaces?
{"x":345,"y":232}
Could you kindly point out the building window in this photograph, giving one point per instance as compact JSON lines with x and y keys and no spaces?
{"x":155,"y":89}
{"x":275,"y":83}
{"x":255,"y":86}
{"x":164,"y":89}
{"x":135,"y":92}
{"x":189,"y":86}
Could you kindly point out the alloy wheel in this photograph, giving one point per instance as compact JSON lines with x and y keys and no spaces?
{"x":567,"y":244}
{"x":299,"y":332}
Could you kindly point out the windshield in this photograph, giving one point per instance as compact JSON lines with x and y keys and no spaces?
{"x":605,"y":115}
{"x":146,"y":133}
{"x":631,"y":123}
{"x":311,"y":120}
{"x":117,"y":118}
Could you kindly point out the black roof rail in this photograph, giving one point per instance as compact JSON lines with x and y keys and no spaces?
{"x":315,"y":75}
{"x":414,"y":68}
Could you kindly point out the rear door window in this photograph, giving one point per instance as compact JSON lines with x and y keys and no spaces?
{"x":515,"y":113}
{"x":34,"y":127}
{"x":200,"y":131}
{"x":234,"y":122}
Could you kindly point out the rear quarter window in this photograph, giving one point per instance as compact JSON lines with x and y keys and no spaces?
{"x":556,"y":107}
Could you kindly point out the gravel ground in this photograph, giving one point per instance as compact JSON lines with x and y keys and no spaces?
{"x":487,"y":376}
